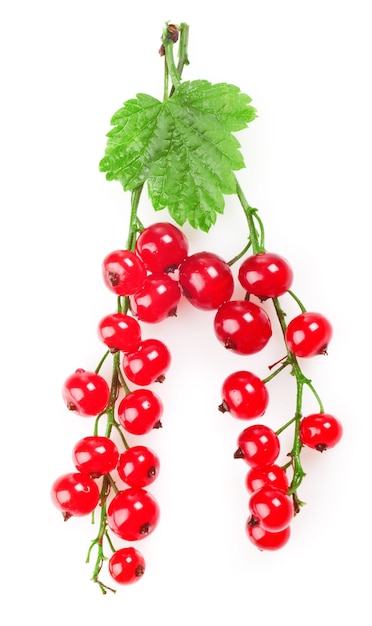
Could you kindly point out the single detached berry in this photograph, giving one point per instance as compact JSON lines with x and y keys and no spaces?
{"x":75,"y":494}
{"x":157,"y":299}
{"x":119,"y":331}
{"x":148,"y":364}
{"x":133,"y":514}
{"x":206,"y":280}
{"x":123,"y":272}
{"x":244,"y":395}
{"x":271,"y":508}
{"x":242,"y":326}
{"x":162,"y":247}
{"x":126,"y":565}
{"x":308,"y":334}
{"x":95,"y":455}
{"x":258,"y":445}
{"x":271,"y":476}
{"x":266,"y":540}
{"x":265,"y":275}
{"x":138,"y":466}
{"x":320,"y":431}
{"x":140,"y":411}
{"x":87,"y":393}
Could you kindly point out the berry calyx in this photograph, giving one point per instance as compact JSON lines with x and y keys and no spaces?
{"x":133,"y":514}
{"x":242,"y":326}
{"x":308,"y":334}
{"x":87,"y":393}
{"x":265,"y":275}
{"x":162,"y":247}
{"x":320,"y":431}
{"x":123,"y":272}
{"x":148,"y":364}
{"x":75,"y":494}
{"x":244,"y":395}
{"x":126,"y":566}
{"x":258,"y":445}
{"x":119,"y":331}
{"x":95,"y":455}
{"x":206,"y":280}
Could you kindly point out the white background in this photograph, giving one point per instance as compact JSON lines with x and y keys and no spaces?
{"x":65,"y":68}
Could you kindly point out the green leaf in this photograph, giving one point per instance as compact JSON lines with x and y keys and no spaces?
{"x":184,"y":148}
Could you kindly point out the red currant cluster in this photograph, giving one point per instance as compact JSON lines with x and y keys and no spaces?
{"x":146,"y":292}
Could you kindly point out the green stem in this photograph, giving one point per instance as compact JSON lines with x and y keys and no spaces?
{"x":256,"y":237}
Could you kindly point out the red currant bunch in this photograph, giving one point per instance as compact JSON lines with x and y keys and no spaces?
{"x":112,"y":474}
{"x":188,"y":161}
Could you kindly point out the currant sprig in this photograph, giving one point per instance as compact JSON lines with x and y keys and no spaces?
{"x":184,"y":150}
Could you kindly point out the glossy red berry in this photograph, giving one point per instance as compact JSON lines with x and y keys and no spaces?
{"x":133,"y":514}
{"x":272,"y":476}
{"x":258,"y":445}
{"x":123,"y":272}
{"x":95,"y":455}
{"x":138,"y":466}
{"x":244,"y":395}
{"x":242,"y":326}
{"x":148,"y":364}
{"x":266,"y":540}
{"x":126,"y":565}
{"x":119,"y":331}
{"x":320,"y":431}
{"x":308,"y":334}
{"x":162,"y":247}
{"x":265,"y":275}
{"x":87,"y":393}
{"x":140,"y":411}
{"x":157,"y":299}
{"x":75,"y":494}
{"x":271,"y":508}
{"x":206,"y":280}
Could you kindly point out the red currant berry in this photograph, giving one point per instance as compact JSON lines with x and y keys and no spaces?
{"x":126,"y":566}
{"x":123,"y":272}
{"x":138,"y":466}
{"x":242,"y":326}
{"x":265,"y":540}
{"x":87,"y":393}
{"x":258,"y":445}
{"x":75,"y":494}
{"x":95,"y":455}
{"x":206,"y":280}
{"x":162,"y":247}
{"x":133,"y":514}
{"x":119,"y":331}
{"x":140,"y":411}
{"x":271,"y":476}
{"x":320,"y":431}
{"x":271,"y":508}
{"x":244,"y":395}
{"x":265,"y":275}
{"x":308,"y":334}
{"x":148,"y":364}
{"x":157,"y":299}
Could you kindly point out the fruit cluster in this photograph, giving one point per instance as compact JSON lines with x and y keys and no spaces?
{"x":106,"y":476}
{"x":149,"y":277}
